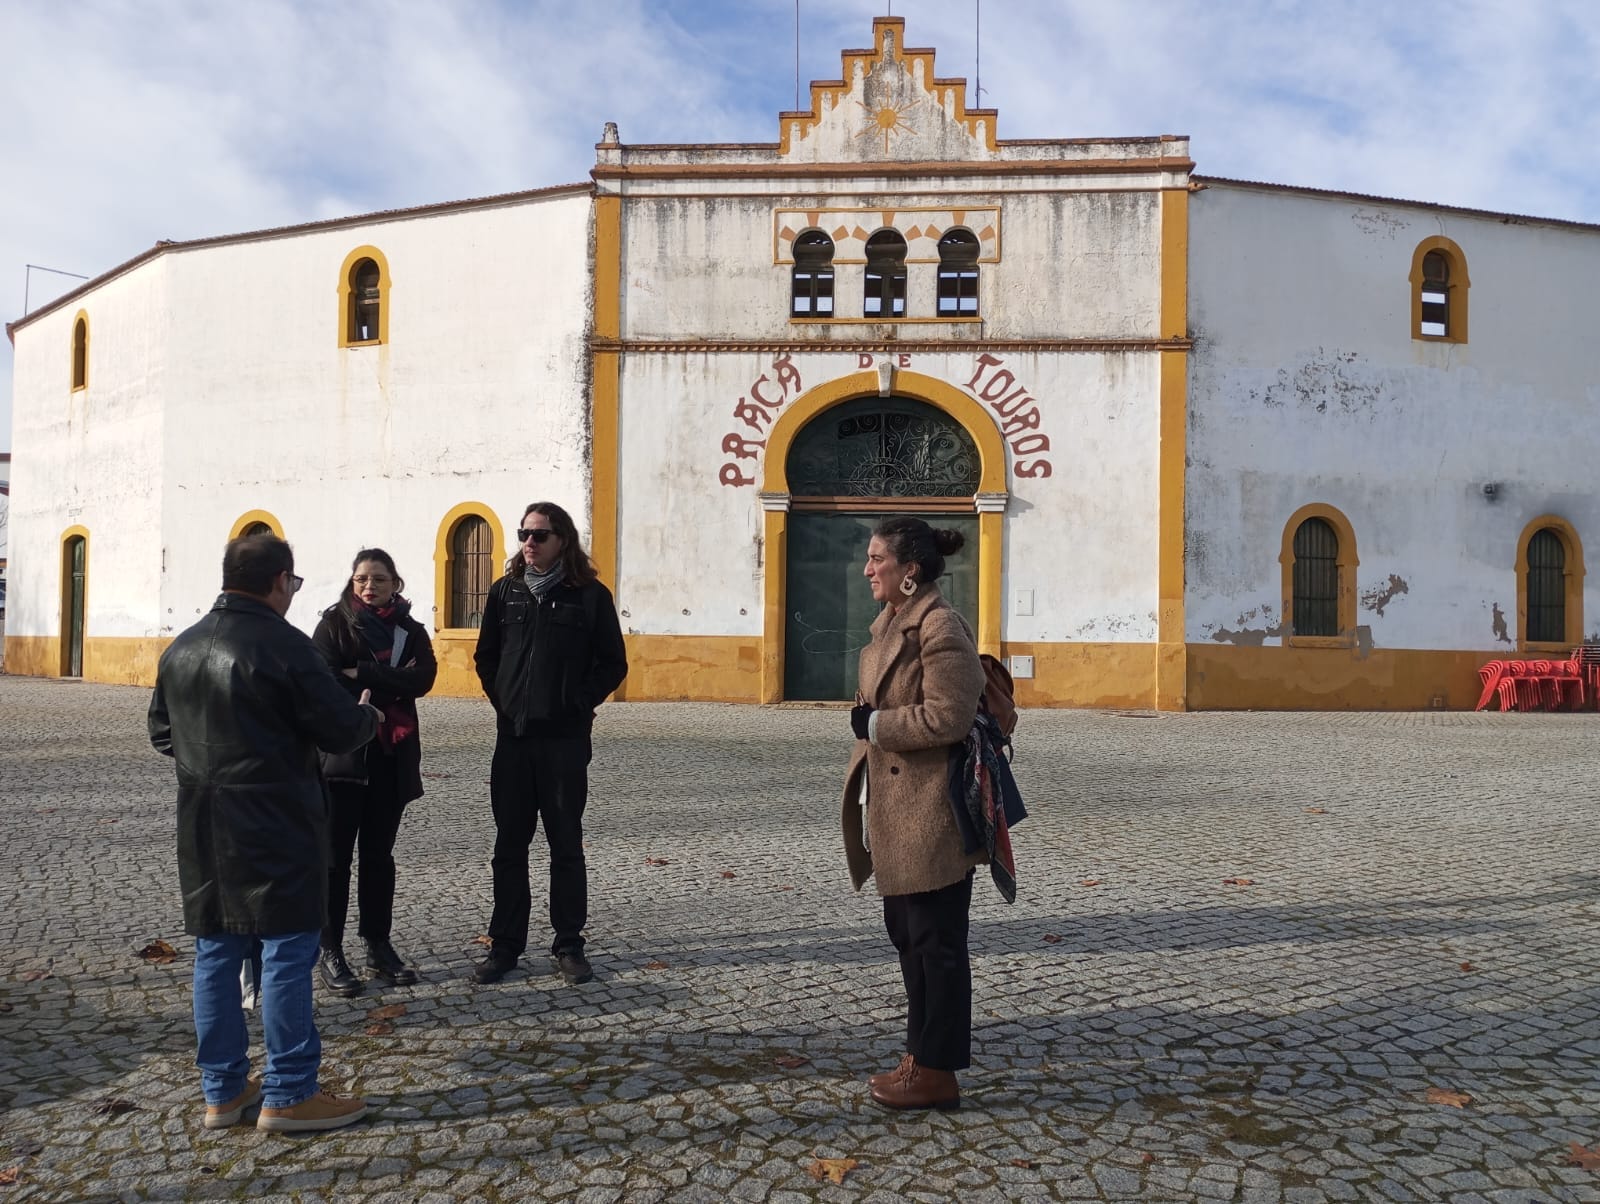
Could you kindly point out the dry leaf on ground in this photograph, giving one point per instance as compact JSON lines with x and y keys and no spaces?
{"x":655,"y":965}
{"x":1147,"y":1157}
{"x":483,"y":939}
{"x":1026,"y":1164}
{"x":792,"y":1061}
{"x":1453,"y":1099}
{"x":381,"y":1029}
{"x":727,"y":874}
{"x":1316,"y":810}
{"x":832,"y":1169}
{"x":1467,"y":967}
{"x":1579,"y":1156}
{"x":658,"y":861}
{"x":1089,"y":881}
{"x":786,"y":888}
{"x":158,"y":953}
{"x":113,"y":1107}
{"x":1238,"y":882}
{"x":33,"y":975}
{"x":388,"y":1011}
{"x":10,"y":1175}
{"x":1051,"y":938}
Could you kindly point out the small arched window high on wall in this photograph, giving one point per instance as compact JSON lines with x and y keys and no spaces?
{"x":1439,"y":291}
{"x":1316,"y":579}
{"x":958,"y":275}
{"x":472,"y":570}
{"x":80,"y":351}
{"x":885,"y":295}
{"x":1547,"y":588}
{"x":364,"y":298}
{"x":811,"y":293}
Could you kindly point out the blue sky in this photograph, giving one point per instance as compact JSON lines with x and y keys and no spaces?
{"x":136,"y":120}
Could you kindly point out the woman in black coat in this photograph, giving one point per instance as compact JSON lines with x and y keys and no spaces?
{"x":370,"y":639}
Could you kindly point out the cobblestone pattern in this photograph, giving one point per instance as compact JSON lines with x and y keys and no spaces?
{"x":1422,"y":913}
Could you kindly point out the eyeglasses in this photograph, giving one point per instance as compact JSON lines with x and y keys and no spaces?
{"x":536,"y":534}
{"x":295,"y":583}
{"x":371,"y":580}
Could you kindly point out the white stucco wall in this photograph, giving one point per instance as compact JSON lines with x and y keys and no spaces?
{"x":1306,"y":386}
{"x":91,"y":458}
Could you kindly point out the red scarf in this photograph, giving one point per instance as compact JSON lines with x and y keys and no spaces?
{"x":399,"y":714}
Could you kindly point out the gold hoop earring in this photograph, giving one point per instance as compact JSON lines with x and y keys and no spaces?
{"x":908,"y":585}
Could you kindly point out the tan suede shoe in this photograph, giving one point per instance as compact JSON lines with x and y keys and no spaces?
{"x":321,"y":1111}
{"x":919,"y":1087}
{"x":225,"y":1116}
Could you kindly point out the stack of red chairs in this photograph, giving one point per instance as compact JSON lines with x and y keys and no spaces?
{"x":1543,"y":685}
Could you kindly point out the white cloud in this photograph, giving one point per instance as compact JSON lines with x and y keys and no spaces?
{"x":132,"y":122}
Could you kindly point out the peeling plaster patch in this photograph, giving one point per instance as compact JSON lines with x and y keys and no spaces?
{"x":1379,"y":596}
{"x":1376,"y":221}
{"x":1321,"y":380}
{"x":1500,"y":631}
{"x":1247,"y":636}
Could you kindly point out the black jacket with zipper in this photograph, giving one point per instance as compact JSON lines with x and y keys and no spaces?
{"x":547,"y":664}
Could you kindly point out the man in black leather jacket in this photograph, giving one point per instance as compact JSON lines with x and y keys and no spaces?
{"x":550,"y":650}
{"x":242,"y":702}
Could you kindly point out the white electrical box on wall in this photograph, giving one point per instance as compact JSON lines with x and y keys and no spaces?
{"x":1023,"y":605}
{"x":1022,"y":666}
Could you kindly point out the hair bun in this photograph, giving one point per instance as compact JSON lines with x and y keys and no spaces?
{"x":948,"y":541}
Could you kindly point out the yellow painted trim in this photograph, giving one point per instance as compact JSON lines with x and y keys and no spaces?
{"x":1348,"y":562}
{"x":1572,"y":571}
{"x":605,"y":397}
{"x":255,"y":516}
{"x":1455,"y":290}
{"x":774,"y":587}
{"x":110,"y":660}
{"x":347,"y":310}
{"x":1087,"y":675}
{"x":71,"y":533}
{"x":818,"y":217}
{"x":974,"y":419}
{"x":441,"y":562}
{"x":1171,"y":669}
{"x":80,"y":321}
{"x":1226,"y":677}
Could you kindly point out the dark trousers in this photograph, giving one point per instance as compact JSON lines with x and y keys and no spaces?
{"x":533,"y":778}
{"x":365,"y":817}
{"x":930,"y":932}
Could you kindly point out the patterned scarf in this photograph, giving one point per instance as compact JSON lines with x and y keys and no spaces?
{"x":376,"y":625}
{"x":985,"y":800}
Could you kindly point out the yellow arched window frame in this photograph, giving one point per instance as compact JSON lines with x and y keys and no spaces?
{"x":1347,"y":561}
{"x":255,"y":518}
{"x":80,"y":351}
{"x":441,"y":560}
{"x":350,"y":302}
{"x":1455,"y":286}
{"x":1572,"y":574}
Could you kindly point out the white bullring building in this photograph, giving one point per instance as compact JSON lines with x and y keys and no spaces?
{"x":1213,"y":443}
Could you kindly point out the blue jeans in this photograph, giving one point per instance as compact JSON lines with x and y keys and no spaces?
{"x":290,"y":1032}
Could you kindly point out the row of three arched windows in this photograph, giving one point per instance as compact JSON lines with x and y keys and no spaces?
{"x":884,"y":281}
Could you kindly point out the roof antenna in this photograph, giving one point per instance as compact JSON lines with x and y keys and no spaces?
{"x":977,"y":52}
{"x":796,"y":56}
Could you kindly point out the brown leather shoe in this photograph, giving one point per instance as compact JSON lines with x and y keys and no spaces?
{"x":224,"y":1116}
{"x":888,"y":1076}
{"x":919,"y":1087}
{"x":321,"y":1112}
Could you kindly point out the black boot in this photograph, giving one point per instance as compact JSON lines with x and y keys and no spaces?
{"x":335,"y":973}
{"x":387,"y":966}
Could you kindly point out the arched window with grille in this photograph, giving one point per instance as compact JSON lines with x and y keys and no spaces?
{"x":1318,"y":558}
{"x":811,"y":288}
{"x":364,"y":298}
{"x":958,"y":275}
{"x":1549,"y":586}
{"x":471,"y":570}
{"x":1439,"y":291}
{"x":80,"y":351}
{"x":885,"y":291}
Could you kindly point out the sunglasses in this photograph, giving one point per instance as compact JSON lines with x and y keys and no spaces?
{"x":535,"y":534}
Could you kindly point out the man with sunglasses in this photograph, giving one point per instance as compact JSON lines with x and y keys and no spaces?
{"x":549,"y":652}
{"x":242,"y":703}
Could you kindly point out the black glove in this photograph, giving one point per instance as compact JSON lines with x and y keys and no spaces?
{"x":859,"y":714}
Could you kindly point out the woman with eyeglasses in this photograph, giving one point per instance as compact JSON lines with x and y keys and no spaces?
{"x":371,"y":641}
{"x":549,"y":652}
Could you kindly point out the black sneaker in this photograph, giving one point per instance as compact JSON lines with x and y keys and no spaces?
{"x":387,"y":966}
{"x":574,"y":966}
{"x":493,"y":968}
{"x":335,"y":973}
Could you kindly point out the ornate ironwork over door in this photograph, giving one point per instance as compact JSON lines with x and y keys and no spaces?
{"x":884,"y":447}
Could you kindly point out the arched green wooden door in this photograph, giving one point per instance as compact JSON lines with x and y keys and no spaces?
{"x":76,"y":569}
{"x":851,"y":467}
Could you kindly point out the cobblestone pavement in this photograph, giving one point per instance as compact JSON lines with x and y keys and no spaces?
{"x":1420,"y":914}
